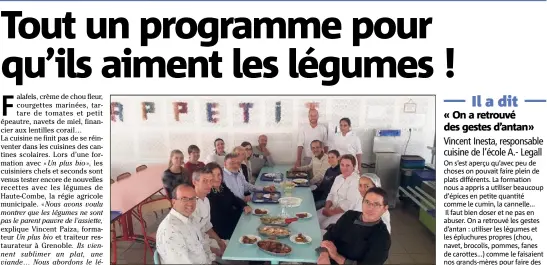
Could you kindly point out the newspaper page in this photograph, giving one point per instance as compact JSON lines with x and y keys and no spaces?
{"x":272,"y":132}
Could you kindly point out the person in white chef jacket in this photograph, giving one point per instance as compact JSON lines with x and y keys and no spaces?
{"x":179,"y":239}
{"x":366,"y":182}
{"x":343,"y":193}
{"x":307,"y":133}
{"x":346,"y":142}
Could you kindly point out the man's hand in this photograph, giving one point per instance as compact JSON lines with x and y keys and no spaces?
{"x":326,"y":212}
{"x":247,"y":198}
{"x":330,"y":247}
{"x":222,"y":245}
{"x":269,"y":189}
{"x":323,"y":258}
{"x":247,"y":209}
{"x":297,"y":163}
{"x":217,"y":252}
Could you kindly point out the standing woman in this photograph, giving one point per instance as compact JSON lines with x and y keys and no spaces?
{"x":218,"y":155}
{"x":226,"y":208}
{"x":175,"y":174}
{"x":347,"y":143}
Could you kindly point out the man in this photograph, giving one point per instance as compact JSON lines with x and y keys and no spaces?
{"x":359,"y":238}
{"x":318,"y":165}
{"x":308,"y":133}
{"x":193,"y":163}
{"x":178,"y":239}
{"x":235,"y":180}
{"x":202,"y":181}
{"x":261,"y":155}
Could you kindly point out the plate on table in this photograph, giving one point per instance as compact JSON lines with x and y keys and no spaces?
{"x":301,"y":182}
{"x":297,"y":174}
{"x":260,"y":212}
{"x":303,"y":215}
{"x":275,"y":248}
{"x":274,"y":231}
{"x":266,"y":197}
{"x":249,"y":240}
{"x":273,"y":220}
{"x":270,"y":176}
{"x":301,"y":239}
{"x":290,"y":201}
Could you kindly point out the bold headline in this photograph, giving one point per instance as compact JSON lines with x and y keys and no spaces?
{"x":302,"y":63}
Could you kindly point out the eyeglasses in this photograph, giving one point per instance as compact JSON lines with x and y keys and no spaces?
{"x":373,"y":205}
{"x":188,"y":199}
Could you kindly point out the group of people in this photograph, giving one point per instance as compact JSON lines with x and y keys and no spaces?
{"x":208,"y":199}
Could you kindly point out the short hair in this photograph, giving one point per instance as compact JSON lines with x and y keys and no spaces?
{"x":378,"y":191}
{"x":347,"y":120}
{"x":238,"y":148}
{"x":350,"y":158}
{"x":317,"y":141}
{"x":198,"y":172}
{"x":174,"y":191}
{"x":193,"y":148}
{"x":246,"y":144}
{"x":230,"y":156}
{"x":216,"y":140}
{"x":211,"y":166}
{"x":334,"y":152}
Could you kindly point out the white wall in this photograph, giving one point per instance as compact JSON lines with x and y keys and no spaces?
{"x":137,"y":141}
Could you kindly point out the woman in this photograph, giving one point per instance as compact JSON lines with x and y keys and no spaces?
{"x":218,"y":155}
{"x":226,"y":208}
{"x":320,"y":194}
{"x":366,"y":182}
{"x":175,"y":174}
{"x":343,"y":194}
{"x":346,"y":142}
{"x":248,"y":154}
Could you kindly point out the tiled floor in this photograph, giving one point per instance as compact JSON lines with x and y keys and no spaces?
{"x":412,"y":243}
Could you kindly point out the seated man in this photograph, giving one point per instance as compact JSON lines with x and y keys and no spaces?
{"x":178,"y":239}
{"x":261,"y":156}
{"x":319,"y":163}
{"x":235,"y":181}
{"x":202,"y":181}
{"x":359,"y":238}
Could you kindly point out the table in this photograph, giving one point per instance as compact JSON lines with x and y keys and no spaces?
{"x":128,"y":193}
{"x":248,"y":224}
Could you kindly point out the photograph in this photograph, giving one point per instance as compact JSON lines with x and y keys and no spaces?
{"x":273,"y":179}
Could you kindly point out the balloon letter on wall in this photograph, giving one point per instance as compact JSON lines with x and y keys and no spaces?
{"x":147,"y":107}
{"x":211,"y":112}
{"x":178,"y":108}
{"x":116,"y":109}
{"x":246,"y":107}
{"x":278,"y":111}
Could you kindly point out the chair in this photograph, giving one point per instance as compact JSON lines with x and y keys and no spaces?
{"x":147,"y":207}
{"x":141,"y":168}
{"x":156,"y":257}
{"x":123,"y":176}
{"x":113,"y":244}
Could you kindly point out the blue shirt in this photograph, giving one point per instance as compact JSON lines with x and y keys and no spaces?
{"x":237,"y":184}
